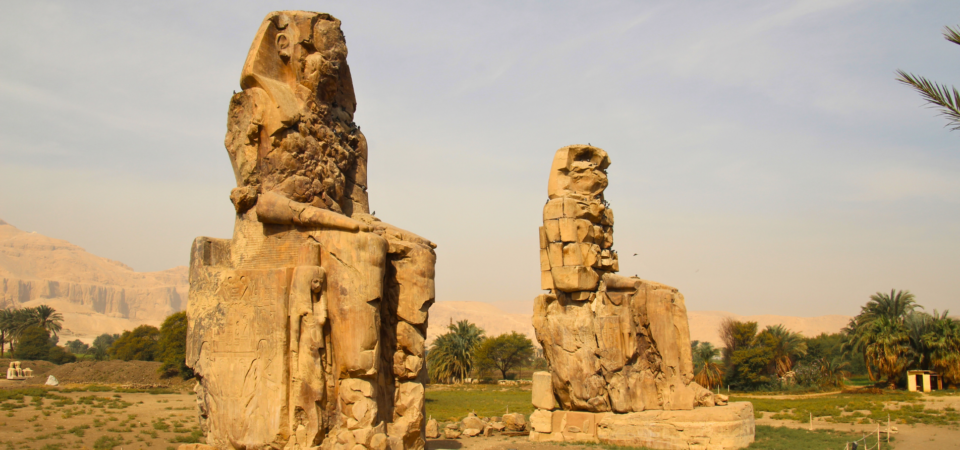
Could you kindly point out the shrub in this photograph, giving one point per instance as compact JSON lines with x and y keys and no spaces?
{"x":139,"y":344}
{"x":173,"y":346}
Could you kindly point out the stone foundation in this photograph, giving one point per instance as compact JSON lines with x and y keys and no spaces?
{"x":720,"y":427}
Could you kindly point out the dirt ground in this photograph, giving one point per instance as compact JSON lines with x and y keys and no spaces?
{"x":905,"y":437}
{"x":130,"y":373}
{"x":131,"y":420}
{"x":156,"y":421}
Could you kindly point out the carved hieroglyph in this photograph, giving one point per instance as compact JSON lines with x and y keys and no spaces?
{"x":613,"y":343}
{"x":307,"y":327}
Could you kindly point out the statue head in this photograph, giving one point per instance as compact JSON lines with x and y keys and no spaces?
{"x":580,"y":171}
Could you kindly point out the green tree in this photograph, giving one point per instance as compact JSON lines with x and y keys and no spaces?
{"x":707,"y":368}
{"x":173,"y":346}
{"x":101,"y":345}
{"x":78,"y":347}
{"x":6,"y":328}
{"x":942,"y":97}
{"x":736,"y":335}
{"x":504,"y":352}
{"x":787,"y":347}
{"x":450,"y":358}
{"x":34,"y":344}
{"x":943,"y":342}
{"x":833,"y":372}
{"x":139,"y":344}
{"x":881,"y":335}
{"x":49,"y":319}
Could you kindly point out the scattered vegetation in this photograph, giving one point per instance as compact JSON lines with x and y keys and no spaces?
{"x":892,"y":335}
{"x":504,"y":353}
{"x":451,"y":356}
{"x":454,"y":402}
{"x":899,"y":406}
{"x":173,"y":346}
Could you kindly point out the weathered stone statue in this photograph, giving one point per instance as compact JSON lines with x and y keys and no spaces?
{"x":306,"y":328}
{"x":614,"y":344}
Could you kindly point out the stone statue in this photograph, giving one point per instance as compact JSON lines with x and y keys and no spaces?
{"x":618,"y":348}
{"x":15,"y":372}
{"x":306,"y":329}
{"x":614,"y":343}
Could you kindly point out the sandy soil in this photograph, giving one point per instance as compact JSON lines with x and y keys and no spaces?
{"x":133,"y":420}
{"x":138,"y":419}
{"x":139,"y":374}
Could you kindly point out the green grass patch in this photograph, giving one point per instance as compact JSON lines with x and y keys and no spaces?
{"x":107,"y":442}
{"x":193,"y":438}
{"x":859,"y":380}
{"x":449,"y":403}
{"x":782,"y":438}
{"x":900,"y":407}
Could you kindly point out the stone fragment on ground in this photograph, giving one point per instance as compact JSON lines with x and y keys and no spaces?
{"x":432,"y":430}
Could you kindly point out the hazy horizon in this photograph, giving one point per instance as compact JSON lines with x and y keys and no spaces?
{"x":765,"y":161}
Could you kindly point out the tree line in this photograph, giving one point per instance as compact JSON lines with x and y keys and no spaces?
{"x":32,"y":334}
{"x":889,"y":336}
{"x":465,"y":352}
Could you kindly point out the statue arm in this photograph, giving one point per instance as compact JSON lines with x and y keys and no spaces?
{"x":275,"y":208}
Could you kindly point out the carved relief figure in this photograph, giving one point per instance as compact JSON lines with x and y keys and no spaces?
{"x":307,"y":327}
{"x":613,"y":343}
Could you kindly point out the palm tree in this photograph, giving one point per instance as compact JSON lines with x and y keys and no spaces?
{"x":887,"y":348}
{"x":450,"y":357}
{"x":881,"y":335}
{"x":14,"y":321}
{"x":6,"y":328}
{"x":709,"y":371}
{"x":942,"y":97}
{"x":48,"y":319}
{"x":833,"y":372}
{"x":787,"y":346}
{"x":943,"y":343}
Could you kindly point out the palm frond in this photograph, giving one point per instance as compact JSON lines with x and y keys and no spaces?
{"x":951,"y":35}
{"x":943,"y":97}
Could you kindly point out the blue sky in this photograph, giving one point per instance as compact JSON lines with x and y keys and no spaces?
{"x":765,"y":161}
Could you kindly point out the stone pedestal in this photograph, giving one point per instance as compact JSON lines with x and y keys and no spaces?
{"x":720,"y":427}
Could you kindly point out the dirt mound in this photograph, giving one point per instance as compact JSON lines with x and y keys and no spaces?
{"x":134,"y":373}
{"x":38,"y":367}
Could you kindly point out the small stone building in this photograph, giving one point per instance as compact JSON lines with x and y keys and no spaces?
{"x":924,"y":379}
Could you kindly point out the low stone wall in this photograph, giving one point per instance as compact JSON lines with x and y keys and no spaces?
{"x":719,"y":427}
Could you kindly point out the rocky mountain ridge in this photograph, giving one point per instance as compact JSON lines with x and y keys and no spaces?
{"x":96,"y":295}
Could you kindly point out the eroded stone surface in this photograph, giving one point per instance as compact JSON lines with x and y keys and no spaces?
{"x":306,"y":328}
{"x":614,"y":343}
{"x":724,"y":427}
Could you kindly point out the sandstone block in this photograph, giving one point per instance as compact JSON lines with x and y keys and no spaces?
{"x":546,"y":280}
{"x":571,"y":255}
{"x":451,"y":433}
{"x":542,"y":391}
{"x":432,"y":431}
{"x":514,"y":422}
{"x":720,"y":427}
{"x":568,"y":230}
{"x":544,"y":260}
{"x":471,"y":432}
{"x":472,"y":421}
{"x":574,"y":278}
{"x":541,"y":421}
{"x":555,"y":254}
{"x":552,"y":230}
{"x":553,"y":209}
